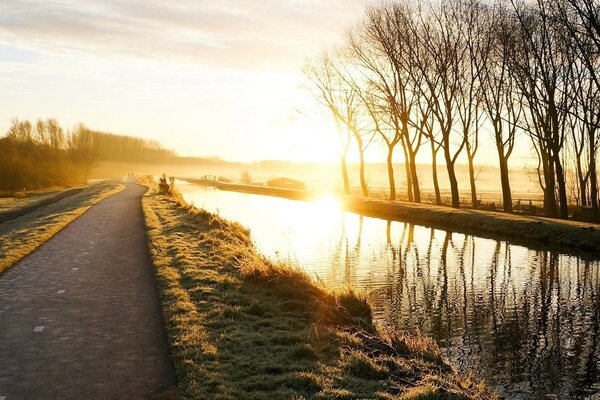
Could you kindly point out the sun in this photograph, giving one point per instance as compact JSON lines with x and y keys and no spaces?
{"x":307,"y":141}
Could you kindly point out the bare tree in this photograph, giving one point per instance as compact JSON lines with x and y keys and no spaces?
{"x":331,"y":92}
{"x":500,"y":101}
{"x":20,"y":131}
{"x":469,"y":21}
{"x":436,"y":58}
{"x":380,"y":102}
{"x":544,"y":78}
{"x":358,"y":119}
{"x":83,"y":148}
{"x":580,"y":19}
{"x":56,"y":135}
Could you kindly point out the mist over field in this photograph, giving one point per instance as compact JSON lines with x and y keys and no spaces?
{"x":326,"y":176}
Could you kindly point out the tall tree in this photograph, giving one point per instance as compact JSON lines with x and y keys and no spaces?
{"x":500,"y":101}
{"x":332,"y":92}
{"x":544,"y":78}
{"x":383,"y":90}
{"x":436,"y":57}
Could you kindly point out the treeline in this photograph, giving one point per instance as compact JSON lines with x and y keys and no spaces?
{"x":443,"y":76}
{"x":43,"y":154}
{"x":113,"y":147}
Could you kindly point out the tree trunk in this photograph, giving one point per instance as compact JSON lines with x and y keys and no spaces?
{"x":504,"y":178}
{"x":505,"y":182}
{"x":549,"y":199}
{"x":452,"y":177}
{"x":409,"y":191}
{"x":582,"y":182}
{"x":593,"y":181}
{"x":390,"y":168}
{"x":415,"y":178}
{"x":562,"y":188}
{"x":345,"y":174}
{"x":363,"y":182}
{"x":470,"y":157}
{"x":436,"y":184}
{"x":583,"y":192}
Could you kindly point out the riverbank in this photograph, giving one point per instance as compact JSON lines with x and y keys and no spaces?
{"x":243,"y":327}
{"x":24,"y":233}
{"x":571,"y":237}
{"x":291,"y":194}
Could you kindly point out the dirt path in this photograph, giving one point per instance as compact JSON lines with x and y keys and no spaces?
{"x":80,"y":317}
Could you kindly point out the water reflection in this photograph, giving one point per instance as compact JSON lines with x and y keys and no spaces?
{"x":525,"y":320}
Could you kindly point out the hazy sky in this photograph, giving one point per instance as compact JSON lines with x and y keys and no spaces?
{"x":204,"y":77}
{"x":207,"y":78}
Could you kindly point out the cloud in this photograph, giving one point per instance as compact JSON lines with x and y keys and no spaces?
{"x":226,"y":33}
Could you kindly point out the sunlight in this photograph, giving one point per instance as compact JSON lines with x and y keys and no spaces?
{"x":311,"y":131}
{"x":328,"y":203}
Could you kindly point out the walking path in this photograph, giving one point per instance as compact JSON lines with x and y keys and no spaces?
{"x":80,"y":317}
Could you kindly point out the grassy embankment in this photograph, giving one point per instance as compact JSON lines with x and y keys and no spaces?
{"x":242,"y":327}
{"x":21,"y":236}
{"x":21,"y":206}
{"x":580,"y":238}
{"x":23,"y":199}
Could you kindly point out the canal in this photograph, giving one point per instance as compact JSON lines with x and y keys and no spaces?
{"x":526,"y":321}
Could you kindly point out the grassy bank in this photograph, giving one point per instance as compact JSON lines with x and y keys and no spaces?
{"x":24,"y":199}
{"x":21,"y":208}
{"x":580,"y":238}
{"x":241,"y":327}
{"x":21,"y":236}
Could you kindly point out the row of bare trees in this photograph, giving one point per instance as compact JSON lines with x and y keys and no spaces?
{"x":444,"y":76}
{"x":43,"y":154}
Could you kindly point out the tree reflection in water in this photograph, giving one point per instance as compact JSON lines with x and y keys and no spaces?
{"x":529,"y":329}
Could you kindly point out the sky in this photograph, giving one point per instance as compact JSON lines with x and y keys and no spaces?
{"x":206,"y":78}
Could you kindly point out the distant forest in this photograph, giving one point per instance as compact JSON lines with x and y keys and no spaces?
{"x":43,"y":154}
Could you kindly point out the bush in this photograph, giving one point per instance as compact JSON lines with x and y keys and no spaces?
{"x":166,"y":187}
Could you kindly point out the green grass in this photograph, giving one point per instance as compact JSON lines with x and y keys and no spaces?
{"x":21,"y":236}
{"x":241,"y":327}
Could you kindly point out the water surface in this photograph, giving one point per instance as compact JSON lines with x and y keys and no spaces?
{"x":527,"y":321}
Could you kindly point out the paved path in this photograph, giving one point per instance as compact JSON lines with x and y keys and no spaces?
{"x":80,"y":316}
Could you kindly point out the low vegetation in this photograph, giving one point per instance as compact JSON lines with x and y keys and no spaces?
{"x":24,"y":199}
{"x":21,"y":236}
{"x":241,"y":326}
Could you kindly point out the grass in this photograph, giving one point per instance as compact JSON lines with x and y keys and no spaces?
{"x":572,"y":237}
{"x":242,"y":327}
{"x":23,"y":199}
{"x":21,"y":236}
